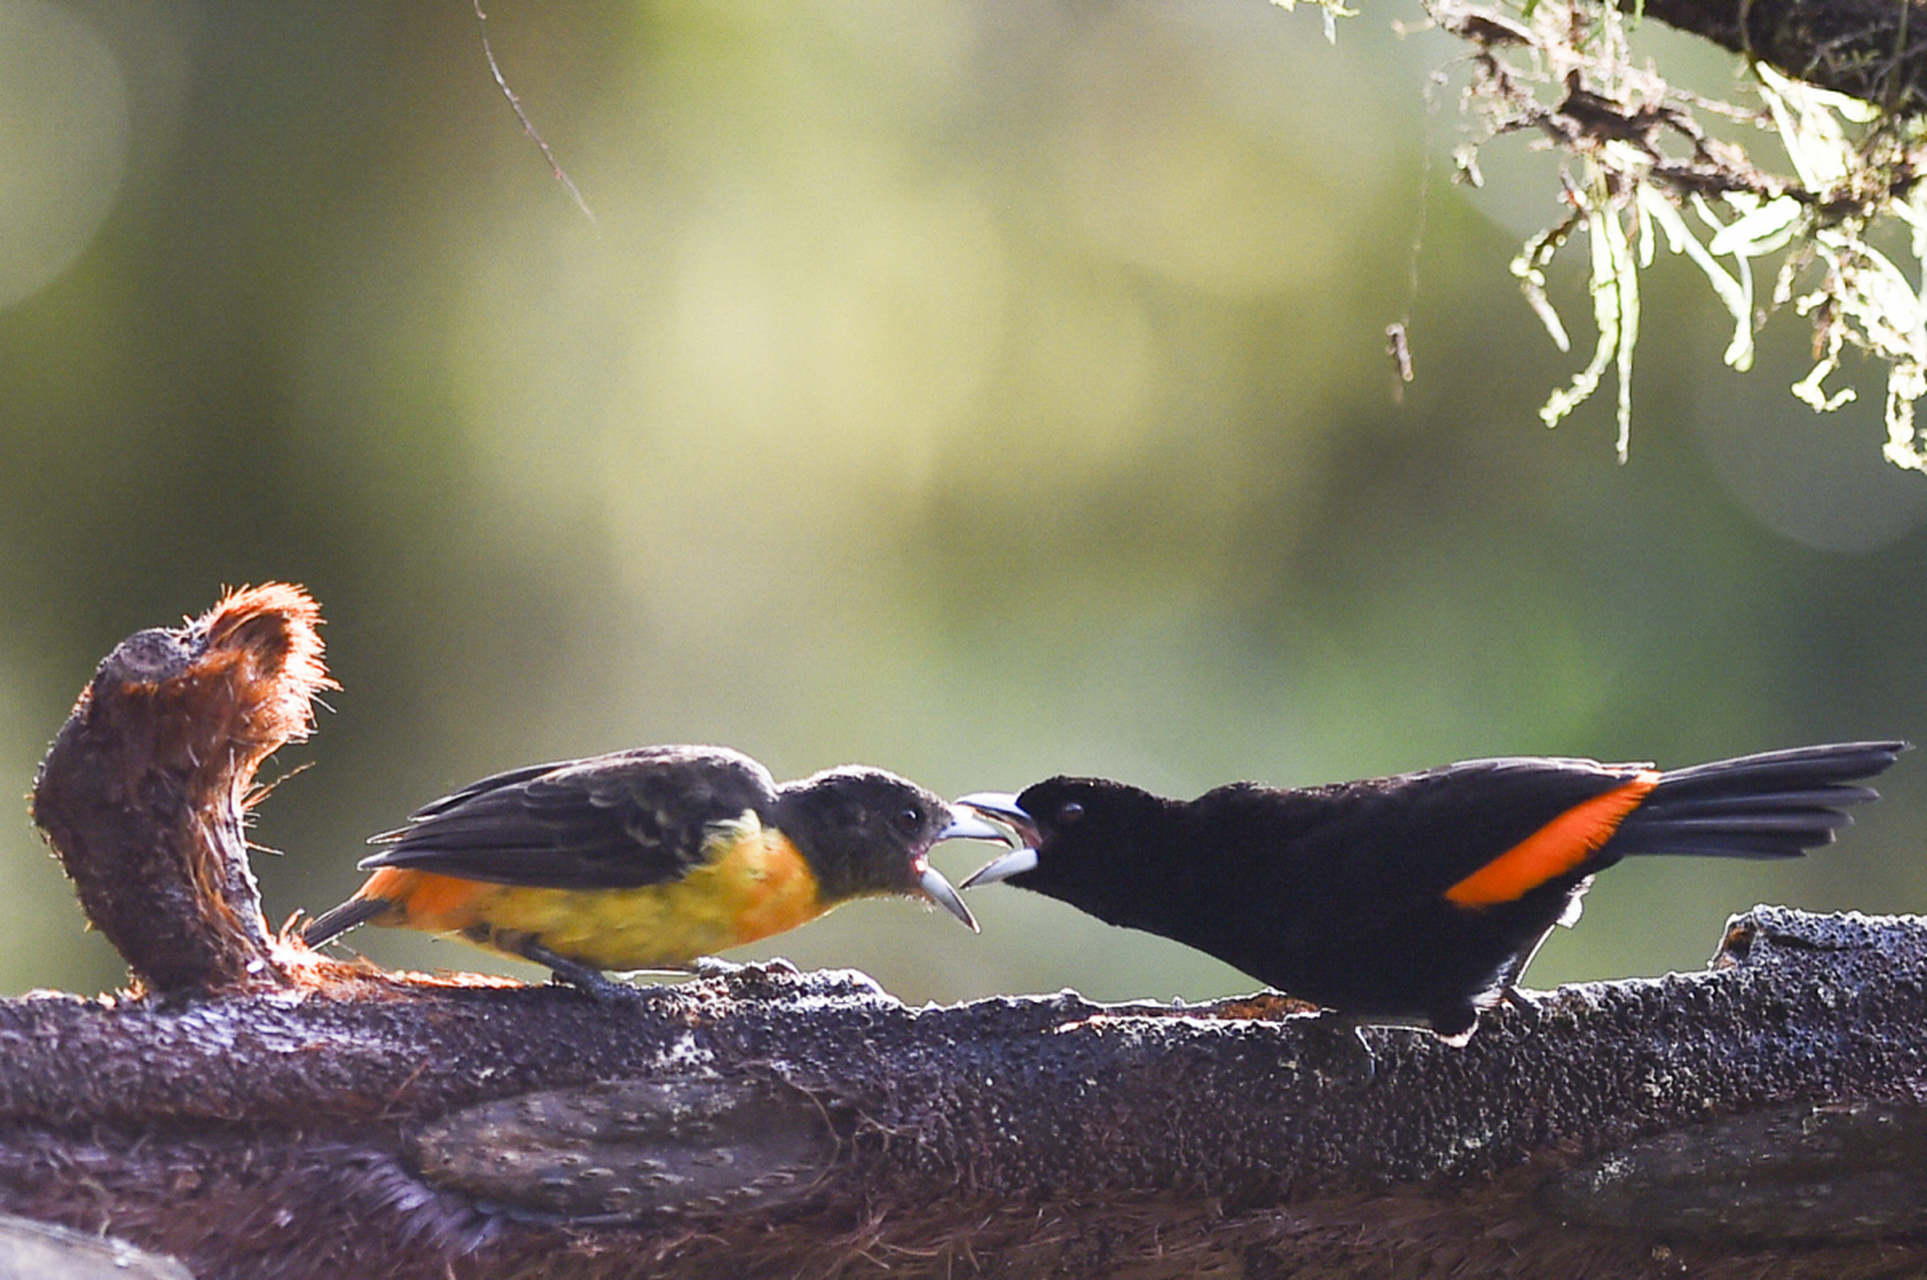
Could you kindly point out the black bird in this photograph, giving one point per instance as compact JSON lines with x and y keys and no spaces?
{"x":1414,"y":897}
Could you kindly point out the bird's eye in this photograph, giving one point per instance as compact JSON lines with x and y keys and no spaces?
{"x":909,"y":821}
{"x":1070,"y":811}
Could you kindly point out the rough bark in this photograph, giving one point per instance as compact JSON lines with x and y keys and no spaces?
{"x":1875,"y":50}
{"x":303,"y":1118}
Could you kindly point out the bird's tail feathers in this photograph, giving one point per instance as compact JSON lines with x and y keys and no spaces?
{"x":1774,"y":805}
{"x":333,"y":923}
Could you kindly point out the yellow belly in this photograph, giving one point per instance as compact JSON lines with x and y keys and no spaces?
{"x":759,"y":885}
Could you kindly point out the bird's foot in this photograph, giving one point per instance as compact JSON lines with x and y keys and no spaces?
{"x":1529,"y":1005}
{"x":1518,"y":998}
{"x":587,"y":979}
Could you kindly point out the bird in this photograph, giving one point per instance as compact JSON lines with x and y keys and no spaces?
{"x":650,"y":859}
{"x":1418,"y":898}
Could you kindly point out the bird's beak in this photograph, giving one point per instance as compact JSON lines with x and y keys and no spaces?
{"x":965,"y":825}
{"x":1014,"y":863}
{"x":938,"y":890}
{"x":1002,"y":808}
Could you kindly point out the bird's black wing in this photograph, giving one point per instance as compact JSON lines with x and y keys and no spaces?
{"x":617,"y":821}
{"x":1383,"y":843}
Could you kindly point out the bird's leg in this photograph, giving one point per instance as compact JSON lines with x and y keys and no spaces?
{"x":1516,"y":968}
{"x":584,"y":978}
{"x":1518,"y":999}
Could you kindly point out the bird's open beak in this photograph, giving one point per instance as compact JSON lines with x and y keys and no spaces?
{"x":964,"y":825}
{"x":1001,"y":808}
{"x":1014,"y":863}
{"x":938,"y":890}
{"x":1020,"y":831}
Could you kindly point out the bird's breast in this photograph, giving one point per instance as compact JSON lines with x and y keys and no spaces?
{"x":754,"y":885}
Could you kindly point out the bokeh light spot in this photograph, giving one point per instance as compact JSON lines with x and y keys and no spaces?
{"x":63,"y":142}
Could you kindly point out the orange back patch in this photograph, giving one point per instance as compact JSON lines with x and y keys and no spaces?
{"x":1555,"y":848}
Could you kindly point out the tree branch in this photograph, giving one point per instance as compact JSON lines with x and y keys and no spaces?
{"x":344,"y":1121}
{"x":1875,"y":50}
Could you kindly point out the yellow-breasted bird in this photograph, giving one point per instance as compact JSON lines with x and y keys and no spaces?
{"x":650,"y":859}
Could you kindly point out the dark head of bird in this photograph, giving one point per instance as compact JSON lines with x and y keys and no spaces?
{"x":1080,"y":838}
{"x":866,"y":831}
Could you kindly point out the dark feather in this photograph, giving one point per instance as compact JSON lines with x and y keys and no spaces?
{"x":623,"y":820}
{"x":1774,"y":805}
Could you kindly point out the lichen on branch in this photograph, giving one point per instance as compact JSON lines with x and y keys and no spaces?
{"x":1835,"y":221}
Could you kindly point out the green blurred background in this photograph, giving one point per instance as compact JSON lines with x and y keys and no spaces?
{"x":979,"y":390}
